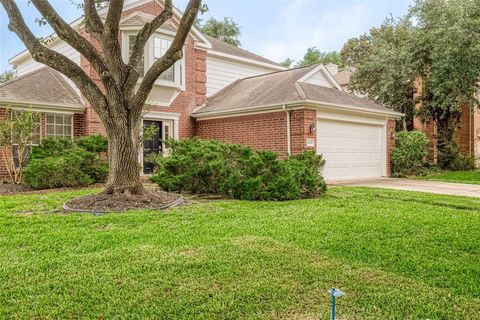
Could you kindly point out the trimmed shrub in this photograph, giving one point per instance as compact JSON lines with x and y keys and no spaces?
{"x":235,"y":171}
{"x":58,"y":163}
{"x":94,"y":143}
{"x":57,"y":172}
{"x":410,"y":153}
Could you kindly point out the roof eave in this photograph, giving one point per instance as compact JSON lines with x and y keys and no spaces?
{"x":293,"y":104}
{"x":42,"y":105}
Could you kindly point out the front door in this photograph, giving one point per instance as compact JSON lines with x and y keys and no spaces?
{"x":152,"y":145}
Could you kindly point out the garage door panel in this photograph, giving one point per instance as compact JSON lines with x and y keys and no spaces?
{"x":351,"y":150}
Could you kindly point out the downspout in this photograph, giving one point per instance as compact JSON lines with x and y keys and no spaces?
{"x":289,"y":138}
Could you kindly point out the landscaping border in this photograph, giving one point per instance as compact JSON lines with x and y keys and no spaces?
{"x":173,"y":204}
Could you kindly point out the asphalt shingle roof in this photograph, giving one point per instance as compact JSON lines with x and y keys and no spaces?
{"x":278,"y":88}
{"x":44,"y":85}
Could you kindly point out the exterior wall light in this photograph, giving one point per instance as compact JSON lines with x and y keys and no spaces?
{"x":313,"y":127}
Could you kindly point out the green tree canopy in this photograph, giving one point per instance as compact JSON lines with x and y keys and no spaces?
{"x":385,"y":66}
{"x":314,"y":56}
{"x":437,"y":42}
{"x":7,"y":75}
{"x":226,"y":30}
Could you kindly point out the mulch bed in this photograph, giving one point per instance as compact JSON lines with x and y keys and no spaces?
{"x":101,"y":203}
{"x":10,"y":188}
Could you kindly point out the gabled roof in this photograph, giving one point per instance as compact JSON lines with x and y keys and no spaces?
{"x":281,"y":88}
{"x":44,"y":86}
{"x":222,"y":46}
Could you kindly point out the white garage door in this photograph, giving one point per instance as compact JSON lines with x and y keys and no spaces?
{"x":351,"y":150}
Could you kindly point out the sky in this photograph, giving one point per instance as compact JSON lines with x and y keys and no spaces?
{"x":275,"y":29}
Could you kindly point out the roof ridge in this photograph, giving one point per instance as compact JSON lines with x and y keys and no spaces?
{"x":301,"y":93}
{"x":274,"y":72}
{"x":55,"y":76}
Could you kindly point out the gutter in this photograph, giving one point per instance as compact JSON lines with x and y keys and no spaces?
{"x":292,"y":104}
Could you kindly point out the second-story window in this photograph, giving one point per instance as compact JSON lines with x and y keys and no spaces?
{"x":141,"y":63}
{"x":160,"y":47}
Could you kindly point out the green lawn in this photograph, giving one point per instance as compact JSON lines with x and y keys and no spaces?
{"x":472,"y":177}
{"x":397,"y":255}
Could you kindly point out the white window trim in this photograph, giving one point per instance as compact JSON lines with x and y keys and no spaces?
{"x":63,"y":114}
{"x":149,"y":55}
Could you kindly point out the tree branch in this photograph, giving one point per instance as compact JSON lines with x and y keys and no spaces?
{"x":173,"y":54}
{"x":53,"y":59}
{"x":82,"y":45}
{"x":141,"y":39}
{"x":93,"y":22}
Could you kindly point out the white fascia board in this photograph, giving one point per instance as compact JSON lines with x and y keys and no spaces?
{"x":321,"y":104}
{"x":245,"y":60}
{"x":292,"y":105}
{"x":41,"y":106}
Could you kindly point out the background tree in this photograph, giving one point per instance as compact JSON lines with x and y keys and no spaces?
{"x":287,"y":62}
{"x":448,"y":48}
{"x":7,"y":75}
{"x":385,"y":66}
{"x":17,"y":128}
{"x":120,"y":104}
{"x":226,"y":30}
{"x":314,"y":56}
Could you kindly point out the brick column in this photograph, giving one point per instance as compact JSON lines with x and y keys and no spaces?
{"x":302,"y":137}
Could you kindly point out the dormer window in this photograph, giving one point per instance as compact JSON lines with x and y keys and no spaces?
{"x":154,"y":49}
{"x":160,"y":47}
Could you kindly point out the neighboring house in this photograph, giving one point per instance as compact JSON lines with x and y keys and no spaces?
{"x":221,"y":92}
{"x":468,"y":135}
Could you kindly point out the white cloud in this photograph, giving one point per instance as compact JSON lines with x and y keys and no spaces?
{"x":303,"y":24}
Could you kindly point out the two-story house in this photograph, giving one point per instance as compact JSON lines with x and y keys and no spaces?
{"x":216,"y":91}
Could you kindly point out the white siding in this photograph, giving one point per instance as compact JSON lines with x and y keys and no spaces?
{"x":28,"y":65}
{"x":319,"y":79}
{"x":222,"y":72}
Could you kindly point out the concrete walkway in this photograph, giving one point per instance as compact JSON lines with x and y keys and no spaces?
{"x":457,"y":189}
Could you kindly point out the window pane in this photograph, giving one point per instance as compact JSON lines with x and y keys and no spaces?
{"x":58,"y":119}
{"x":68,"y":131}
{"x":50,"y":130}
{"x":59,"y":131}
{"x":50,"y":119}
{"x":68,"y":120}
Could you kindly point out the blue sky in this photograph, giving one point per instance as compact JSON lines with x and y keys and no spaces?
{"x":276,"y":29}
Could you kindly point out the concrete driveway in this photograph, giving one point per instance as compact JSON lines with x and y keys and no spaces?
{"x":457,"y":189}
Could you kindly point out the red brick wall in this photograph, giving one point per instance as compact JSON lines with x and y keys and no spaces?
{"x":266,"y":131}
{"x":300,"y":122}
{"x":390,"y":144}
{"x":78,"y":125}
{"x":195,"y":82}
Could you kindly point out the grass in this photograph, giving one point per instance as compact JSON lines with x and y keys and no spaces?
{"x":397,"y":255}
{"x":470,"y":177}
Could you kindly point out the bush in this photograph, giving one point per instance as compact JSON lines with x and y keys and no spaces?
{"x":57,"y":172}
{"x":95,"y":143}
{"x":450,"y":158}
{"x":57,"y":163}
{"x":409,"y":154}
{"x":211,"y":167}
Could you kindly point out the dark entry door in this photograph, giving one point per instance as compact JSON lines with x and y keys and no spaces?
{"x":152,"y":145}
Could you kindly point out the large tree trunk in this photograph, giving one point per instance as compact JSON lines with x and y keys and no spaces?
{"x":123,"y":150}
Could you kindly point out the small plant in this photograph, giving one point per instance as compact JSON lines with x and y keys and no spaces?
{"x":17,"y":132}
{"x":238,"y":172}
{"x":410,"y":153}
